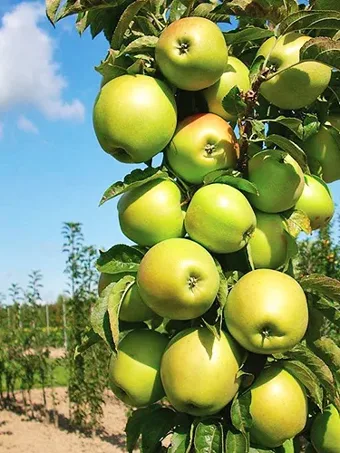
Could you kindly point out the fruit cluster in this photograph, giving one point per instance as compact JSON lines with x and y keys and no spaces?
{"x":197,"y":214}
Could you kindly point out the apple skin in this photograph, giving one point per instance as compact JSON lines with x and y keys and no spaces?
{"x":235,"y":73}
{"x":268,"y":244}
{"x":323,"y":153}
{"x":134,"y":374}
{"x":202,"y":143}
{"x":278,"y":178}
{"x":220,"y":218}
{"x":133,"y":309}
{"x":199,"y":371}
{"x":325,"y":432}
{"x":296,"y":87}
{"x":278,"y":407}
{"x":316,"y":202}
{"x":192,"y":53}
{"x":134,"y":117}
{"x":178,"y":279}
{"x":266,"y":312}
{"x":152,"y":212}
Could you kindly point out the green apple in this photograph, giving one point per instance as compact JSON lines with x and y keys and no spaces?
{"x":325,"y":432}
{"x":278,"y":178}
{"x":152,"y":212}
{"x":178,"y":279}
{"x":298,"y":86}
{"x":316,"y":201}
{"x":132,"y":309}
{"x":134,"y":117}
{"x":220,"y":218}
{"x":267,"y":312}
{"x":268,"y":244}
{"x":235,"y":73}
{"x":323,"y":153}
{"x":134,"y":373}
{"x":278,"y":407}
{"x":199,"y":371}
{"x":202,"y":143}
{"x":192,"y":53}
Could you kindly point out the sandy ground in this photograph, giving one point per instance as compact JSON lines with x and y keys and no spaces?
{"x":19,"y":433}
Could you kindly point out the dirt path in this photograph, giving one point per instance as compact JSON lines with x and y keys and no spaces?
{"x":20,"y":434}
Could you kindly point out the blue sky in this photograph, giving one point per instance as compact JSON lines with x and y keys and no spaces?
{"x":51,"y":167}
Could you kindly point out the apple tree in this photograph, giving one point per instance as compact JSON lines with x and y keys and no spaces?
{"x":232,"y":110}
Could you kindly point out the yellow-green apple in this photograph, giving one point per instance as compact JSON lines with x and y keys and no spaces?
{"x":325,"y":432}
{"x":267,"y":312}
{"x":278,"y":407}
{"x":298,"y":86}
{"x":134,"y":373}
{"x":323,"y":153}
{"x":192,"y":53}
{"x":316,"y":201}
{"x":152,"y":212}
{"x":268,"y":244}
{"x":132,"y":309}
{"x":178,"y":279}
{"x":199,"y":371}
{"x":220,"y":218}
{"x":278,"y":178}
{"x":235,"y":73}
{"x":134,"y":117}
{"x":202,"y":143}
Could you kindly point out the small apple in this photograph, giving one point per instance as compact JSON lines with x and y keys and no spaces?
{"x":278,"y":178}
{"x":220,"y":218}
{"x":192,"y":53}
{"x":235,"y":73}
{"x":278,"y":407}
{"x":325,"y":432}
{"x":316,"y":201}
{"x":199,"y":371}
{"x":134,"y":373}
{"x":202,"y":143}
{"x":152,"y":212}
{"x":134,"y":117}
{"x":178,"y":279}
{"x":266,"y":312}
{"x":268,"y":244}
{"x":323,"y":153}
{"x":298,"y":86}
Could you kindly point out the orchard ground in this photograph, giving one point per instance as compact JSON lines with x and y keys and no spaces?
{"x":20,"y":433}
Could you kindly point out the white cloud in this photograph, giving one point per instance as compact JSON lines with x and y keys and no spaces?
{"x":29,"y":74}
{"x":26,"y":125}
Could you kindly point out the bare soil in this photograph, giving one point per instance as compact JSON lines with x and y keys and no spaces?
{"x":20,"y":433}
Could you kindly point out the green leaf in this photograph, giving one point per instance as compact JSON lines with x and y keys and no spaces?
{"x":146,"y":25}
{"x":306,"y":356}
{"x":291,"y":148}
{"x":231,"y":178}
{"x":119,"y":259}
{"x":329,"y":309}
{"x":124,"y":22}
{"x":296,"y":221}
{"x":324,"y":50}
{"x":286,"y":447}
{"x":156,"y":427}
{"x":223,"y":288}
{"x":246,"y":34}
{"x":260,"y":450}
{"x":310,"y":20}
{"x":307,"y":378}
{"x":233,"y":103}
{"x":256,"y":68}
{"x":327,"y":4}
{"x":209,"y":437}
{"x":177,"y":9}
{"x":292,"y":250}
{"x":208,"y":10}
{"x":89,"y":338}
{"x":322,"y":285}
{"x":134,"y":179}
{"x":51,"y":10}
{"x":182,"y":438}
{"x":142,"y":44}
{"x":329,"y":352}
{"x":115,"y":300}
{"x":135,"y":424}
{"x":76,"y":6}
{"x":100,"y":318}
{"x":311,"y":125}
{"x":240,"y":414}
{"x":112,"y":66}
{"x":236,"y":442}
{"x":293,"y":124}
